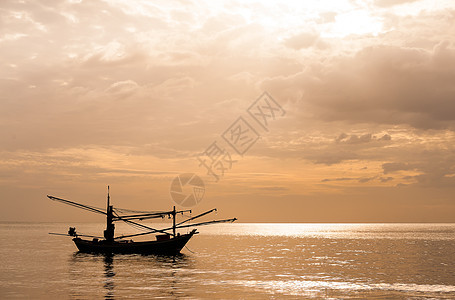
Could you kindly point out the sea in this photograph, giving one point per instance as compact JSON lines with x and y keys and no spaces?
{"x":237,"y":261}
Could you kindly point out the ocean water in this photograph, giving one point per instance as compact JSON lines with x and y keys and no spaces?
{"x":238,"y":261}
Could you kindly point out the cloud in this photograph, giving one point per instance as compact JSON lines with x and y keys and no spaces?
{"x":123,"y":88}
{"x":385,"y":137}
{"x":327,"y":17}
{"x":429,"y":169}
{"x":302,"y":40}
{"x":94,"y":91}
{"x":388,"y":3}
{"x":354,"y":139}
{"x":337,"y":179}
{"x":366,"y":179}
{"x":344,"y":147}
{"x":360,"y":139}
{"x":379,"y":85}
{"x":396,"y":166}
{"x":274,"y":188}
{"x":386,"y":179}
{"x":360,"y":179}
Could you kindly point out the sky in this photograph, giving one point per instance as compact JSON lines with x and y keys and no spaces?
{"x":133,"y":93}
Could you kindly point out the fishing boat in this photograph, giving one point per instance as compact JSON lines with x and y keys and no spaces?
{"x":167,"y":240}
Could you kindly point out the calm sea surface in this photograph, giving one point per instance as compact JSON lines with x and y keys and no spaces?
{"x":238,"y":261}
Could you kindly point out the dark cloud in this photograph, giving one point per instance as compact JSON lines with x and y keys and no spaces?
{"x":354,"y":139}
{"x":337,"y":179}
{"x":360,"y":179}
{"x":380,"y":85}
{"x":385,"y":179}
{"x":429,"y":169}
{"x":385,"y":137}
{"x":396,"y":166}
{"x":344,"y":147}
{"x":366,"y":179}
{"x":330,"y":156}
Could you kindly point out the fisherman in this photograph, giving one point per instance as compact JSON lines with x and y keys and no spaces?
{"x":72,"y":231}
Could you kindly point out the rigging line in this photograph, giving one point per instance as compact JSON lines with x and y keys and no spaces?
{"x":151,"y":215}
{"x":208,"y":222}
{"x":86,"y":207}
{"x":143,"y":216}
{"x":152,"y":212}
{"x":195,"y":217}
{"x":189,"y":250}
{"x":177,"y":227}
{"x":135,"y":211}
{"x":78,"y":205}
{"x":137,"y":227}
{"x":152,"y":230}
{"x":133,"y":225}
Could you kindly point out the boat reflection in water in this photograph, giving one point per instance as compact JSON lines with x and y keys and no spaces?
{"x":109,"y":274}
{"x":140,"y":276}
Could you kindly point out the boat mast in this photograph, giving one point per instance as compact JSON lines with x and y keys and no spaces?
{"x":173,"y":221}
{"x":109,"y":232}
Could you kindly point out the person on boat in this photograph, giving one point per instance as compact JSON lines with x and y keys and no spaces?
{"x":72,"y":231}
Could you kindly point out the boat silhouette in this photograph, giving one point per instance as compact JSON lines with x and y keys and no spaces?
{"x":168,"y":241}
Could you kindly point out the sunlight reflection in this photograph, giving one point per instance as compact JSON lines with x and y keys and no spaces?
{"x":333,"y":230}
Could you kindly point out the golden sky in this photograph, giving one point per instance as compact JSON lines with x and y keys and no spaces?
{"x":128,"y":93}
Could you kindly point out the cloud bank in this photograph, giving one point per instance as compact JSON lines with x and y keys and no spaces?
{"x":98,"y":92}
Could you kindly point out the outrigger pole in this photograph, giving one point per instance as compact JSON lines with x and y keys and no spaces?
{"x":66,"y":234}
{"x":198,"y":216}
{"x":177,"y":227}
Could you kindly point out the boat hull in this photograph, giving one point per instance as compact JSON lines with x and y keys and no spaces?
{"x":171,"y":246}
